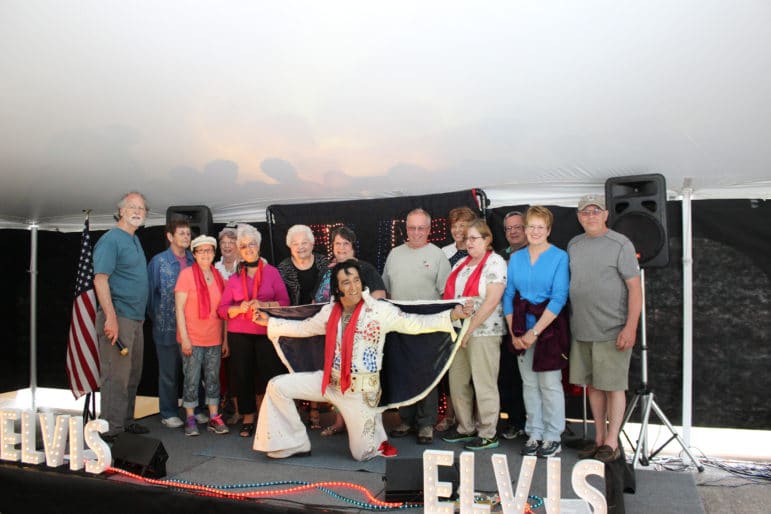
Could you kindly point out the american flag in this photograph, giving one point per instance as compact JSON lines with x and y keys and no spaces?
{"x":82,"y":352}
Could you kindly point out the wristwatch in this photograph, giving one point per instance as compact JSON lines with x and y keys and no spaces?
{"x":535,"y":332}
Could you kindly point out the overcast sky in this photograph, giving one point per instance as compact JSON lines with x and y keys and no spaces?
{"x":241,"y":102}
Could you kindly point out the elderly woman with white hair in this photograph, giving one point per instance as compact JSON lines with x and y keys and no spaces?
{"x":306,"y":276}
{"x":304,"y":270}
{"x":255,"y":284}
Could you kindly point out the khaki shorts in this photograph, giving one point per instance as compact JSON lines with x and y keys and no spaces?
{"x":599,"y":364}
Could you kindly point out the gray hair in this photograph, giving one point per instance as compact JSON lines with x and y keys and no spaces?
{"x":513,"y":213}
{"x":122,"y":203}
{"x":421,"y":211}
{"x":228,"y":232}
{"x":244,"y":231}
{"x":299,"y":229}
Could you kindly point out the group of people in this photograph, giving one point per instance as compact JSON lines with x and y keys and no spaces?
{"x":203,"y":311}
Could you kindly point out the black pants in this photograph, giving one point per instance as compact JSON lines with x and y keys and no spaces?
{"x":253,"y":362}
{"x":510,"y":386}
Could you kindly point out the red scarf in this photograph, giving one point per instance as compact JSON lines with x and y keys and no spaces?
{"x":472,"y":284}
{"x":255,"y":287}
{"x":204,"y":300}
{"x":346,"y":348}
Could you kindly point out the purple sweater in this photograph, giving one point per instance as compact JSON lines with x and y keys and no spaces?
{"x":272,"y":289}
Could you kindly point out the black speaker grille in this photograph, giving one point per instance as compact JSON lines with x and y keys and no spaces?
{"x":645,"y":232}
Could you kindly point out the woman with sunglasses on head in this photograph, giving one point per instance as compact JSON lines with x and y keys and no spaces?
{"x":255,"y":284}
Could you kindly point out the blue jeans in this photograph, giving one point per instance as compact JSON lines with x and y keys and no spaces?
{"x":169,"y":364}
{"x":208,"y":358}
{"x":544,"y":400}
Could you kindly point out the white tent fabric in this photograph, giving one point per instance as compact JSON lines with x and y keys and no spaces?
{"x":239,"y":104}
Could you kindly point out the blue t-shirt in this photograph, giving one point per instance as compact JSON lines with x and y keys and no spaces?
{"x":547,"y":279}
{"x":120,"y":255}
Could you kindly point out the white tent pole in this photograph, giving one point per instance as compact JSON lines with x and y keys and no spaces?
{"x":687,"y":312}
{"x":33,"y":314}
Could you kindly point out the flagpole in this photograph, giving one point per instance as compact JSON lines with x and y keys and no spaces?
{"x":33,"y":315}
{"x":89,"y":407}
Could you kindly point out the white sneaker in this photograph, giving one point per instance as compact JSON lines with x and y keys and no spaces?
{"x":172,"y":422}
{"x":201,"y":418}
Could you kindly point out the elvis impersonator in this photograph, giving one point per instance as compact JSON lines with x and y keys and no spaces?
{"x":354,"y":327}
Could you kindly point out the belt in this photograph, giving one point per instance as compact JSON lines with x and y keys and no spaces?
{"x":360,"y":382}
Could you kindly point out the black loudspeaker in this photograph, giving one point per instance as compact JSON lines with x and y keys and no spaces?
{"x":199,"y":217}
{"x":637,"y":208}
{"x":404,"y":478}
{"x":140,"y":455}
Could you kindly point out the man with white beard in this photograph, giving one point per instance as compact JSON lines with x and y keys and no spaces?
{"x":120,"y":281}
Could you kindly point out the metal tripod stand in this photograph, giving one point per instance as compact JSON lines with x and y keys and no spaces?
{"x":644,"y":396}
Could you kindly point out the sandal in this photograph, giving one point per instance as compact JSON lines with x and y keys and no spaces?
{"x":314,"y":418}
{"x":247,"y":430}
{"x":332,"y":430}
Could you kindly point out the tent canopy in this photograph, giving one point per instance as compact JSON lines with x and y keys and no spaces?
{"x":240,"y":104}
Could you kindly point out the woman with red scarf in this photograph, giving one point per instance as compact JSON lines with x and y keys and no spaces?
{"x":255,"y":284}
{"x":199,"y":333}
{"x":473,"y":375}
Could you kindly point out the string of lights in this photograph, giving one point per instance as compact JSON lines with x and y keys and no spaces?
{"x":285,"y":488}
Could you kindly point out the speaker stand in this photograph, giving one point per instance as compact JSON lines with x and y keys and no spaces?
{"x":644,"y":397}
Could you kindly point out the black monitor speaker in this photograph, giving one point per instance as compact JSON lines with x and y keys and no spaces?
{"x":404,"y":478}
{"x":637,"y":207}
{"x":143,"y":456}
{"x":199,"y":217}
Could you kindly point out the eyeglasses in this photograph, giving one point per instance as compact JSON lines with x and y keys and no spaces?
{"x":205,"y":250}
{"x":244,"y":246}
{"x":536,"y":228}
{"x":473,"y":238}
{"x":227,"y":242}
{"x":418,"y":228}
{"x":514,"y":228}
{"x":135,"y":207}
{"x":590,"y":212}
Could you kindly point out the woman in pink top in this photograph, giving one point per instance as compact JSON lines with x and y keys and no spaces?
{"x":255,"y":284}
{"x":199,"y":333}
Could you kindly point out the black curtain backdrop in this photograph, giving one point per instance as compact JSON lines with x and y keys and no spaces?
{"x":378,"y":223}
{"x":732,"y":308}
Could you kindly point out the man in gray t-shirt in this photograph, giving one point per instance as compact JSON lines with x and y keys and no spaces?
{"x":606,"y":301}
{"x":417,"y":270}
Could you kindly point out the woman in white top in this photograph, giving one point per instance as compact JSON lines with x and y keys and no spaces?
{"x":474,"y":373}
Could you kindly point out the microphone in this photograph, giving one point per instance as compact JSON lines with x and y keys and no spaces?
{"x":121,"y":347}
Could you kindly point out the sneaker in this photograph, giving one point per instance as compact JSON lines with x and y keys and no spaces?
{"x":549,"y":449}
{"x":453,"y":436}
{"x":402,"y":430}
{"x":172,"y":422}
{"x":512,"y":432}
{"x":217,"y":426}
{"x":482,"y":443}
{"x":530,"y":448}
{"x":201,"y":418}
{"x":191,"y":428}
{"x":426,"y":435}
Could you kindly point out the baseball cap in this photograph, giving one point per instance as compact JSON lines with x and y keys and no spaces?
{"x":591,"y":199}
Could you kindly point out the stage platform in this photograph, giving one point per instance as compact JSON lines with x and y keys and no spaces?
{"x":228,"y":461}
